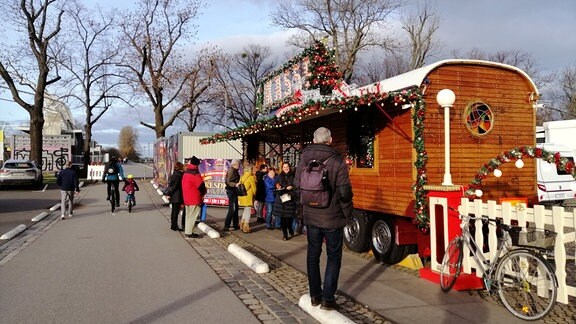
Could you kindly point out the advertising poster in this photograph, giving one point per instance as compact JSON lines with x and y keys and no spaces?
{"x":214,"y":172}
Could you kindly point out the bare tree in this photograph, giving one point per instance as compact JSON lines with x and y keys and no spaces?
{"x":568,"y":88}
{"x":238,"y":79}
{"x":351,"y":25}
{"x":517,"y":58}
{"x":40,"y":22}
{"x":380,"y":67}
{"x":421,"y":28}
{"x":127,"y":141}
{"x":90,"y":61}
{"x":156,"y":65}
{"x":193,"y":97}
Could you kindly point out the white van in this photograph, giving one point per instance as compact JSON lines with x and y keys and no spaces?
{"x":554,"y":186}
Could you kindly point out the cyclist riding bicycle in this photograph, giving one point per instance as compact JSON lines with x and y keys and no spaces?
{"x":130,"y":187}
{"x":113,"y":173}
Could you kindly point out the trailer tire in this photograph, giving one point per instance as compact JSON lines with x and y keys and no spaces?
{"x":383,"y":243}
{"x":356,"y":232}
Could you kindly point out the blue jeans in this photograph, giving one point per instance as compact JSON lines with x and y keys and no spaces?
{"x":269,"y":206}
{"x":232,"y":215}
{"x":334,"y":239}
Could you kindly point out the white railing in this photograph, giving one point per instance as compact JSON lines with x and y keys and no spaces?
{"x":95,"y":172}
{"x":558,"y":220}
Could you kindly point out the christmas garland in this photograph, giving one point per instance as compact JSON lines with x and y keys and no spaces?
{"x":411,"y":96}
{"x":515,"y":154}
{"x":324,"y":75}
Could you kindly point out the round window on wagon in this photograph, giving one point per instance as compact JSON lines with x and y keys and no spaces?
{"x":478,"y":118}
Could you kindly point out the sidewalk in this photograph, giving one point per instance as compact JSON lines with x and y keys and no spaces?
{"x":394,"y":292}
{"x":99,"y":267}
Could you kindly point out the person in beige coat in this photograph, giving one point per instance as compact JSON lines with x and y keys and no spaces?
{"x":249,"y":181}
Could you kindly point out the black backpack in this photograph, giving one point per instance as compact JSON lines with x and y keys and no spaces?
{"x":315,"y":188}
{"x":112,"y":169}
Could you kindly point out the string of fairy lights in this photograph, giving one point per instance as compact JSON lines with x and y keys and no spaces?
{"x":324,"y":74}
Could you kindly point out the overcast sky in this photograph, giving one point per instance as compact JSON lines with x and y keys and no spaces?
{"x":544,"y":29}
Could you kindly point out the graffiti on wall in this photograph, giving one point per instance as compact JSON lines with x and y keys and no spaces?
{"x":55,"y":150}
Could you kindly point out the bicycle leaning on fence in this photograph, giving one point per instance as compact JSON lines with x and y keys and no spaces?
{"x":518,"y":271}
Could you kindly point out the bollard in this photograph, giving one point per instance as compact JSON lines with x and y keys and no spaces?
{"x":208,"y":230}
{"x":252,"y":261}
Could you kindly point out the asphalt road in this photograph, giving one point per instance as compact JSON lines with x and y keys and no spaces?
{"x":19,"y":204}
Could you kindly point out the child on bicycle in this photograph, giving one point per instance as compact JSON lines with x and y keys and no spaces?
{"x":130,"y":187}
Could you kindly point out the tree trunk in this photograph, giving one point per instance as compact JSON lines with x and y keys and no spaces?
{"x":86,"y":149}
{"x":36,"y":126}
{"x":159,"y":119}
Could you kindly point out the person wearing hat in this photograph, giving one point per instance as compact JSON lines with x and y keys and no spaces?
{"x":193,"y":191}
{"x":130,"y":187}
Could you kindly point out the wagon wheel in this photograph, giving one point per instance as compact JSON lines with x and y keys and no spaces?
{"x":383,"y":242}
{"x":356,"y":232}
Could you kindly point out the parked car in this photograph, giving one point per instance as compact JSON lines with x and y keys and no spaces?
{"x":21,"y":172}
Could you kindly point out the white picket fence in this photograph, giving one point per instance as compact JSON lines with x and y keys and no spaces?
{"x":557,"y":219}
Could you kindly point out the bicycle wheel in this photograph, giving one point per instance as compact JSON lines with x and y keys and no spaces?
{"x":130,"y":204}
{"x":527,"y":284}
{"x":451,"y":264}
{"x":112,"y":201}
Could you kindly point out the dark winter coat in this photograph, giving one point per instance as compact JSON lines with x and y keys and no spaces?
{"x":174,"y":189}
{"x":67,"y":180}
{"x":260,"y":186}
{"x":333,"y":216}
{"x":232,"y":177}
{"x":287,"y":209}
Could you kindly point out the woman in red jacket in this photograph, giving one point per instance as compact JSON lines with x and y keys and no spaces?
{"x":193,"y":191}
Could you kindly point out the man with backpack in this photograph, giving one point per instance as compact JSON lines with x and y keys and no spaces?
{"x":327,"y":204}
{"x":113,"y":173}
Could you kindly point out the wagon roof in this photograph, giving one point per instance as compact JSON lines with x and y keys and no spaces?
{"x":404,"y":88}
{"x":416,"y":77}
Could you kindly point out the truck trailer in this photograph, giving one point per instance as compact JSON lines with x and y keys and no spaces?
{"x":399,"y":142}
{"x":215,"y":160}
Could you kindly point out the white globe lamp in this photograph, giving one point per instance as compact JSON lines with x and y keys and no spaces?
{"x":445,"y":99}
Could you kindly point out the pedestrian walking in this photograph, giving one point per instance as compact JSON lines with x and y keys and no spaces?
{"x":260,"y":197}
{"x":174,"y":194}
{"x":232,"y":180}
{"x":67,"y":179}
{"x":193,"y":191}
{"x":326,"y":224}
{"x":249,"y":181}
{"x":285,"y":201}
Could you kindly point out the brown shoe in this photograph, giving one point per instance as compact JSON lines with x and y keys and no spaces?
{"x":316,"y":301}
{"x":329,"y":305}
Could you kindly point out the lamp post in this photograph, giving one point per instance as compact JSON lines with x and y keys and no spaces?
{"x":445,"y":99}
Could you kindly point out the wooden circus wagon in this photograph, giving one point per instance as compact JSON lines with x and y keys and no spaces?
{"x":393,"y":134}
